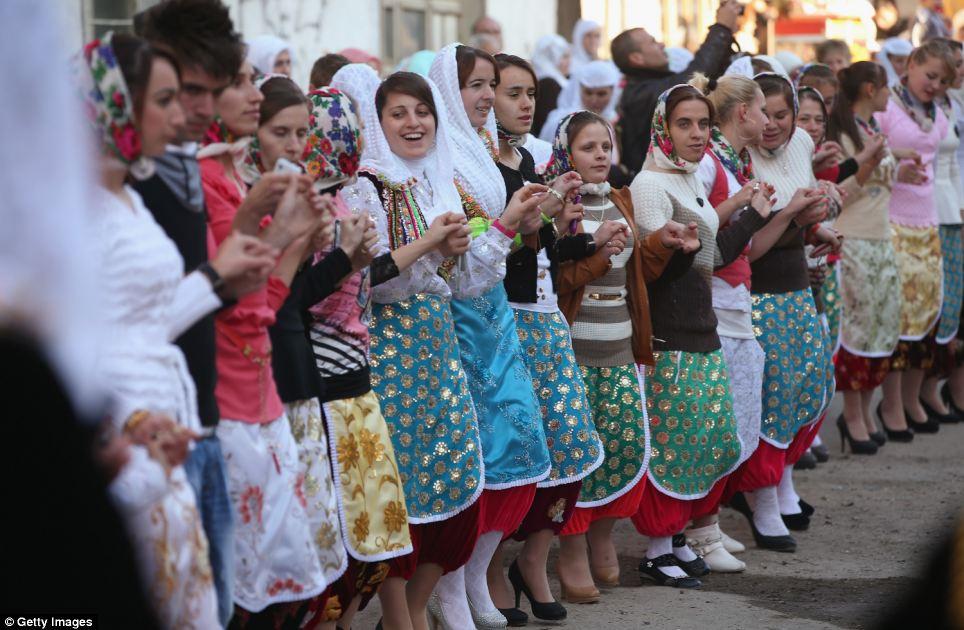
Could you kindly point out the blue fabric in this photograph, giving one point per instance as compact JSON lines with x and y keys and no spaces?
{"x":798,"y":378}
{"x":204,"y":469}
{"x":425,"y":399}
{"x":951,"y":253}
{"x":510,"y":424}
{"x":571,"y":436}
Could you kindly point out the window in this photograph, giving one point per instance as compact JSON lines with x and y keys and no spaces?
{"x":412,"y":25}
{"x":101,"y":16}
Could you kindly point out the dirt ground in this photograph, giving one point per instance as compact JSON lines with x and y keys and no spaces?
{"x":877,"y":518}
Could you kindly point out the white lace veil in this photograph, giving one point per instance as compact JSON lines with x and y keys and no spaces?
{"x":475,"y":167}
{"x":360,"y":82}
{"x":549,"y":51}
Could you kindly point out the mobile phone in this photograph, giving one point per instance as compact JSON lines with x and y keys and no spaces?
{"x":284,"y":165}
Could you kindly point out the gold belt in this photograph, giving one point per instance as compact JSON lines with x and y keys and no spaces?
{"x":606,"y":296}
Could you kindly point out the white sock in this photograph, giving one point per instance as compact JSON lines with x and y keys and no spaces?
{"x":660,"y":547}
{"x":476,"y":586}
{"x":451,"y":593}
{"x":766,"y":513}
{"x":817,"y":441}
{"x":684,"y":553}
{"x":789,"y":499}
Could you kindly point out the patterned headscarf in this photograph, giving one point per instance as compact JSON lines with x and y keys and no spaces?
{"x":661,"y":149}
{"x":737,"y":163}
{"x":334,"y":138}
{"x":248,"y":163}
{"x":561,"y":161}
{"x":109,"y":106}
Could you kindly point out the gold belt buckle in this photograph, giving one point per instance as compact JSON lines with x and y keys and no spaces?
{"x":606,"y":296}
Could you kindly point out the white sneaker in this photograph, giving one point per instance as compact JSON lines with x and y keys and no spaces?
{"x":708,"y":543}
{"x":732,"y":544}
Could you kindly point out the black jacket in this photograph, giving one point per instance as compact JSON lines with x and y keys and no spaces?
{"x":644,"y":85}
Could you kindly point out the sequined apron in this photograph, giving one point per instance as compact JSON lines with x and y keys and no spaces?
{"x":692,"y":427}
{"x":510,"y":425}
{"x":798,"y":379}
{"x":953,"y":260}
{"x":575,"y":449}
{"x":418,"y":377}
{"x":617,"y":408}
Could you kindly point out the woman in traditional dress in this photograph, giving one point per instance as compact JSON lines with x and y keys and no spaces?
{"x":915,"y":127}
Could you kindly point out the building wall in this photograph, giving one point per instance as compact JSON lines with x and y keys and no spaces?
{"x":523,"y":22}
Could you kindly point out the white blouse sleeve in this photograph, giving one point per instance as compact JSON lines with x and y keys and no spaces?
{"x":421,"y":277}
{"x":483,"y":266}
{"x":194,"y":298}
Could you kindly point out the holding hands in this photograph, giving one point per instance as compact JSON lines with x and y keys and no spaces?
{"x":611,"y":237}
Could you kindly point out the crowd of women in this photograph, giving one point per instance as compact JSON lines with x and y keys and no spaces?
{"x":403,"y":340}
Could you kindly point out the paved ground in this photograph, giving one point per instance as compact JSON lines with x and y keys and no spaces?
{"x":876,"y":519}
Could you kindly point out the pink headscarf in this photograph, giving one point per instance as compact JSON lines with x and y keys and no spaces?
{"x":357,"y":55}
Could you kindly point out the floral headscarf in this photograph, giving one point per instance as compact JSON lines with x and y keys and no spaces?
{"x":334,"y":138}
{"x":661,"y":148}
{"x":737,"y":163}
{"x":249,"y":163}
{"x":109,"y":106}
{"x":561,"y":161}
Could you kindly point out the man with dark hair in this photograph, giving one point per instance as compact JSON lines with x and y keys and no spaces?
{"x":324,"y":69}
{"x":642,"y":59}
{"x":201,"y":37}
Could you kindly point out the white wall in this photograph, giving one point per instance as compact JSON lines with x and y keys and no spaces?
{"x":523,"y":22}
{"x":313,"y":28}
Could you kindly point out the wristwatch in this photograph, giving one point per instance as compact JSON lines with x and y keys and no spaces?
{"x":217,"y":282}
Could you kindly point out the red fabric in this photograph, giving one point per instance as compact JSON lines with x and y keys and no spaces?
{"x":829,"y":174}
{"x":859,"y":374}
{"x":504,"y":510}
{"x":447,"y":543}
{"x":765,"y":467}
{"x":661,"y":515}
{"x":738,"y":271}
{"x":623,"y":507}
{"x":551,"y":509}
{"x":245,"y":390}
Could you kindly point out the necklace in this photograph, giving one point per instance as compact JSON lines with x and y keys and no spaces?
{"x":694,"y":185}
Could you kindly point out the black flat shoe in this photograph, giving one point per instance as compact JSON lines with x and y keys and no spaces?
{"x":515,"y":617}
{"x":694,"y":568}
{"x":821,"y":452}
{"x":649,"y":568}
{"x":783,"y":544}
{"x":931,"y":425}
{"x":796,"y":522}
{"x":857,"y":447}
{"x":805,"y":508}
{"x":904,"y":435}
{"x":949,"y":401}
{"x":933,"y":414}
{"x":548,"y":611}
{"x":807,"y":461}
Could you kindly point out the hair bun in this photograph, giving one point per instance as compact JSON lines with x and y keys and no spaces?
{"x":702,"y":83}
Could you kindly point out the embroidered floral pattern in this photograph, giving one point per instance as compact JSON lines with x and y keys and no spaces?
{"x":334,"y":138}
{"x":737,"y":163}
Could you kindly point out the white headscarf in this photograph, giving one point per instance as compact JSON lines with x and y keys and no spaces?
{"x":679,"y":58}
{"x":48,"y":286}
{"x":475,"y":167}
{"x":579,"y":55}
{"x":788,"y":60}
{"x":741,"y":67}
{"x":360,"y":82}
{"x":774,"y":63}
{"x":550,"y":49}
{"x":893,"y":46}
{"x":595,"y":74}
{"x":263,"y":51}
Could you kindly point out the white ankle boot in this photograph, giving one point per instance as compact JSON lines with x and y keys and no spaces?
{"x":732,"y":544}
{"x":708,"y":542}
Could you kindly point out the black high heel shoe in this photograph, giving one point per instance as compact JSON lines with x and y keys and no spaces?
{"x":933,"y":414}
{"x":949,"y":401}
{"x":807,"y":461}
{"x":931,"y":425}
{"x":784,"y":544}
{"x":904,"y":435}
{"x":649,"y":568}
{"x":857,"y":447}
{"x":548,"y":611}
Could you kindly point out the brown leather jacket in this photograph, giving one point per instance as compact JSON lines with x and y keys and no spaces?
{"x":647,"y":262}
